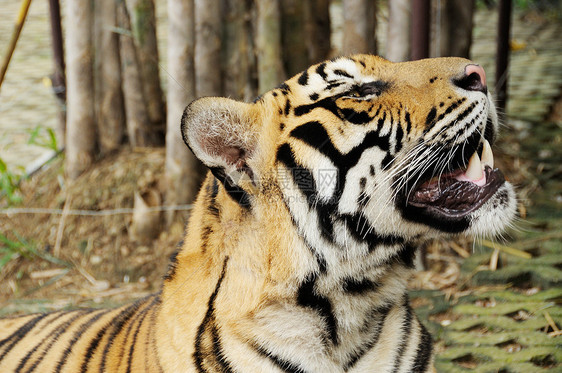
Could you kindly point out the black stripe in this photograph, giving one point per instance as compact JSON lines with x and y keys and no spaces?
{"x":287,"y":109}
{"x":309,"y":298}
{"x":213,"y":191}
{"x":327,"y":103}
{"x":198,"y":355}
{"x":382,"y":313}
{"x":314,"y":96}
{"x":234,"y":191}
{"x":407,"y":254}
{"x":94,"y":343}
{"x":458,"y":118}
{"x":398,"y":137}
{"x":332,"y":84}
{"x":139,"y":315}
{"x":205,"y":233}
{"x":451,"y":107}
{"x":77,"y":335}
{"x":315,"y":135}
{"x":286,"y":156}
{"x":381,"y":121}
{"x":152,"y":339}
{"x":219,"y":352}
{"x":321,"y":70}
{"x":490,"y":131}
{"x":302,"y":176}
{"x":387,"y":161}
{"x":52,"y":338}
{"x":343,"y":73}
{"x":285,"y":89}
{"x":406,"y":334}
{"x":408,"y":123}
{"x":430,"y":117}
{"x":424,"y":352}
{"x":144,"y":312}
{"x":378,"y":111}
{"x":466,"y":112}
{"x":118,"y":324}
{"x":361,"y":230}
{"x":358,"y":287}
{"x":305,"y":182}
{"x":172,"y":266}
{"x":19,"y":334}
{"x":282,"y":364}
{"x":303,"y":78}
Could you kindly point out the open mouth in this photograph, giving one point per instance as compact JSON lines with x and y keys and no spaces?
{"x":458,"y":193}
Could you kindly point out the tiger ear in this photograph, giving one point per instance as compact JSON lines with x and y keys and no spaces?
{"x":221,"y":133}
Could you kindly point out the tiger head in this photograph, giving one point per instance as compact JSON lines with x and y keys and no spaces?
{"x":360,"y":150}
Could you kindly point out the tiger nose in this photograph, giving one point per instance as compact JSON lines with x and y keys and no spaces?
{"x":474,"y":79}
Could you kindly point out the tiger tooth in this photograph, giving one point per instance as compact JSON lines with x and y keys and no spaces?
{"x":487,"y":155}
{"x":474,"y":169}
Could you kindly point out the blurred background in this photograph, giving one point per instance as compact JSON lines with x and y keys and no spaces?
{"x":96,"y":183}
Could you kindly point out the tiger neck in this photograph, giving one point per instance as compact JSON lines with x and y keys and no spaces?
{"x":335,"y":303}
{"x":223,"y":227}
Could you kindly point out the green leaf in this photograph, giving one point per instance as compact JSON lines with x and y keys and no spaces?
{"x":3,"y":167}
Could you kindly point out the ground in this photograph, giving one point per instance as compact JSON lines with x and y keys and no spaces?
{"x":76,"y":260}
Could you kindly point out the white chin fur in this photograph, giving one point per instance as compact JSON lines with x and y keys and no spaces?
{"x":495,"y":215}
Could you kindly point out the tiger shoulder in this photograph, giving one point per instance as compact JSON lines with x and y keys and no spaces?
{"x":301,"y":240}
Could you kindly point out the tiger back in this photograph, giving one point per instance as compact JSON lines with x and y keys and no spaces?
{"x":303,"y":235}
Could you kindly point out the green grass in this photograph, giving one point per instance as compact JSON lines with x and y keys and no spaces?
{"x":9,"y":183}
{"x":11,"y":249}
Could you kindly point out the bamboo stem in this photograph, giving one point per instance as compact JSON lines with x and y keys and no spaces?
{"x":22,"y":15}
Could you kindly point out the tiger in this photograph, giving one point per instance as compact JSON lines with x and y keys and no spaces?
{"x":303,"y":236}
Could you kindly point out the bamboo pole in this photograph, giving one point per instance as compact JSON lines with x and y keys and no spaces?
{"x":268,"y":51}
{"x":502,"y":53}
{"x":184,"y":172}
{"x":22,"y":15}
{"x":58,"y":78}
{"x":359,"y":24}
{"x":81,"y":141}
{"x":420,"y":29}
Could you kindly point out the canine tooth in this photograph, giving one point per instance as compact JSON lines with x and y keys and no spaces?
{"x":474,"y":170}
{"x":487,"y":155}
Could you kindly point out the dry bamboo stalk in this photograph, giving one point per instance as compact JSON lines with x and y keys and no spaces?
{"x":295,"y":55}
{"x":184,"y":172}
{"x":110,"y":109}
{"x":317,"y":27}
{"x":359,"y":26}
{"x":268,"y":45}
{"x":143,"y":27}
{"x":81,"y":123}
{"x":208,"y":33}
{"x":138,"y":121}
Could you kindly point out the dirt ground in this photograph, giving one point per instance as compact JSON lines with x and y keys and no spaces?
{"x":64,"y":258}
